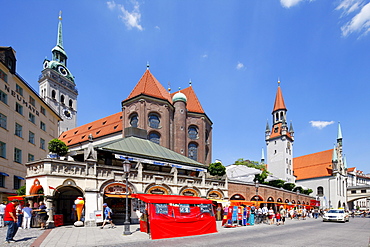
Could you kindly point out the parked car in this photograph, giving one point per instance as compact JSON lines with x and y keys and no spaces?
{"x":336,"y":215}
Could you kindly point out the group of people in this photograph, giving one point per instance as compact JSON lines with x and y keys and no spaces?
{"x":15,"y":216}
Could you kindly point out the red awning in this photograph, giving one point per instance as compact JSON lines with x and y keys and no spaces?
{"x":150,"y":198}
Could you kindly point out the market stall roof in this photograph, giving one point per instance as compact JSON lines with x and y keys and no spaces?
{"x":150,"y":198}
{"x":241,"y":173}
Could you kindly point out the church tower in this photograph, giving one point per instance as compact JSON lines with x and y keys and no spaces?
{"x":57,"y":86}
{"x":279,"y":141}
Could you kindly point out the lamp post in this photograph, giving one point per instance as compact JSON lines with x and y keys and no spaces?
{"x":256,"y":184}
{"x":126,"y":169}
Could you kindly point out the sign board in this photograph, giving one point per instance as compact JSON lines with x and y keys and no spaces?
{"x":161,"y":208}
{"x":184,"y":208}
{"x":98,"y":216}
{"x":205,"y":208}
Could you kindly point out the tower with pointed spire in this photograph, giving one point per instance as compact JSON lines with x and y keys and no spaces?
{"x":57,"y":85}
{"x":279,"y":141}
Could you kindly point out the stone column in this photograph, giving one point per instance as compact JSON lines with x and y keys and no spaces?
{"x":50,"y":211}
{"x":91,"y":205}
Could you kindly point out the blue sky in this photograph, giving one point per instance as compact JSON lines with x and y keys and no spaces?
{"x":234,"y":52}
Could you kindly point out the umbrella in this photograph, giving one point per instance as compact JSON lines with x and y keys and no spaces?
{"x":242,"y":173}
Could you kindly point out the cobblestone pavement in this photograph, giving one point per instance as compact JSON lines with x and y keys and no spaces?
{"x":24,"y":237}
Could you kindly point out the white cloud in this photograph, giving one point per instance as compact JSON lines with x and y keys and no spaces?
{"x":360,"y":22}
{"x":349,"y":6}
{"x":289,"y":3}
{"x":205,"y":56}
{"x":131,"y":19}
{"x":320,"y":124}
{"x":239,"y":66}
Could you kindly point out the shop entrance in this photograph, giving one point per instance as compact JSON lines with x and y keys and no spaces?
{"x":118,"y":206}
{"x":64,"y":203}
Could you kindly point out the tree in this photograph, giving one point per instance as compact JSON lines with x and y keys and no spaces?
{"x":289,"y":186}
{"x":57,"y":146}
{"x":277,"y":183}
{"x":216,"y":169}
{"x":21,"y":191}
{"x":298,"y":188}
{"x":307,"y":191}
{"x":254,"y":164}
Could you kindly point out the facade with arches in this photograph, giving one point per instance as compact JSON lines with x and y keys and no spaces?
{"x":96,"y":174}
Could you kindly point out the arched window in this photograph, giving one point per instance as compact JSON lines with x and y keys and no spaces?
{"x":193,"y":151}
{"x":53,"y":93}
{"x":193,"y":132}
{"x":134,"y":120}
{"x":154,"y":121}
{"x":320,"y":191}
{"x":237,"y":197}
{"x":62,"y":99}
{"x":154,"y":137}
{"x":70,"y":103}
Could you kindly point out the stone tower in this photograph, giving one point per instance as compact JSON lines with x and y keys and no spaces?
{"x":279,"y":141}
{"x":57,"y":86}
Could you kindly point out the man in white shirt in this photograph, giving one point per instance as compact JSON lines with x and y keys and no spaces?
{"x":2,"y":211}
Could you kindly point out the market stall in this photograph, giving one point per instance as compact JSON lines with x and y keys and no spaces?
{"x":169,"y":216}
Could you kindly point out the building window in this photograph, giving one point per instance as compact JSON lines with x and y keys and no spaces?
{"x":42,"y":110}
{"x":155,"y":137}
{"x":3,"y":76}
{"x":320,"y":191}
{"x":17,"y":182}
{"x":2,"y":150}
{"x":134,"y":120}
{"x":3,"y":121}
{"x":154,"y":121}
{"x":62,"y":99}
{"x":42,"y":143}
{"x":31,"y":117}
{"x":18,"y":130}
{"x":70,"y":103}
{"x":193,"y":132}
{"x":32,"y":101}
{"x":17,"y":155}
{"x":19,"y":108}
{"x":2,"y":181}
{"x":3,"y":97}
{"x":31,"y":157}
{"x":193,"y":151}
{"x":53,"y":94}
{"x":19,"y":89}
{"x":42,"y":126}
{"x":31,"y":137}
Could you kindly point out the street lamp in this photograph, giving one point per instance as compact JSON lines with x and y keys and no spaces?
{"x":126,"y":169}
{"x":256,"y":184}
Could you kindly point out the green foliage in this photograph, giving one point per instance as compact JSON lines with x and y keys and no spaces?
{"x":277,"y":183}
{"x":216,"y":169}
{"x":307,"y":191}
{"x":298,"y":188}
{"x":57,"y":146}
{"x":254,"y":164}
{"x":289,"y":186}
{"x":21,"y":191}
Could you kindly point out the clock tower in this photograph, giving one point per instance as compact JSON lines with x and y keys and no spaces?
{"x":57,"y":86}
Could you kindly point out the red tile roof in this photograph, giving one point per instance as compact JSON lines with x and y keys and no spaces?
{"x":351,"y":169}
{"x":150,"y":86}
{"x":313,"y":165}
{"x":98,"y":128}
{"x":279,"y":100}
{"x":192,"y":104}
{"x":278,"y":133}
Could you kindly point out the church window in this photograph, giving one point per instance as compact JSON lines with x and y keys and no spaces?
{"x":281,"y":115}
{"x":276,"y":117}
{"x":154,"y":121}
{"x":134,"y":120}
{"x":320,"y":191}
{"x":53,"y":93}
{"x":154,"y":137}
{"x":193,"y":132}
{"x":193,"y":151}
{"x":62,"y":99}
{"x":70,"y":103}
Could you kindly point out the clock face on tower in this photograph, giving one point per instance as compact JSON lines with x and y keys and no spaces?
{"x":62,"y":70}
{"x":67,"y":113}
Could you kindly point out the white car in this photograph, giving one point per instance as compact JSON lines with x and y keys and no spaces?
{"x":336,"y":215}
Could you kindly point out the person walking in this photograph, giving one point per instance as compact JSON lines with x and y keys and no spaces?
{"x":19,"y":215}
{"x":2,"y":211}
{"x":42,"y":215}
{"x":219,"y":212}
{"x":27,"y":215}
{"x":107,"y":216}
{"x":282,"y":214}
{"x":10,"y":220}
{"x":271,"y":215}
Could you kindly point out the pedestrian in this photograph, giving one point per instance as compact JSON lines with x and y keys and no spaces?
{"x":219,"y":211}
{"x":19,"y":215}
{"x":107,"y":216}
{"x":282,"y":214}
{"x":2,"y":211}
{"x":271,"y":215}
{"x":10,"y":219}
{"x":27,"y":216}
{"x":264,"y":213}
{"x":42,"y":215}
{"x":278,"y":218}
